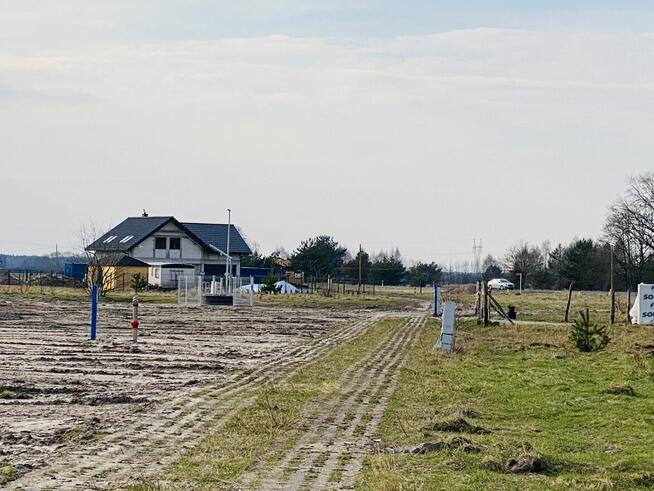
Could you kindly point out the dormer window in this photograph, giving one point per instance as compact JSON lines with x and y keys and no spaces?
{"x":160,"y":243}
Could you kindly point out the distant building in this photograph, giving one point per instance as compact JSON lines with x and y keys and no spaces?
{"x":170,"y":249}
{"x":76,"y":271}
{"x":118,"y":275}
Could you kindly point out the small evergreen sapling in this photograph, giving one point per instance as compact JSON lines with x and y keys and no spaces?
{"x":138,"y":282}
{"x":586,"y":336}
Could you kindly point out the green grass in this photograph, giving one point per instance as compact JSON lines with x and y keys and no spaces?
{"x":385,"y":298}
{"x":8,"y":473}
{"x":7,"y":394}
{"x":547,"y":306}
{"x":259,"y":434}
{"x":58,"y":293}
{"x":547,"y":400}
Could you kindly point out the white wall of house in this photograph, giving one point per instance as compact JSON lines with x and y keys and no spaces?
{"x":188,"y":252}
{"x":154,"y":275}
{"x":167,"y":277}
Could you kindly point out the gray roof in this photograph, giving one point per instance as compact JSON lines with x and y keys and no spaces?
{"x":128,"y":234}
{"x":123,"y":261}
{"x":134,"y":230}
{"x":215,"y":234}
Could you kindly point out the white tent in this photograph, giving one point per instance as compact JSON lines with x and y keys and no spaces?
{"x":256,"y":288}
{"x":285,"y":287}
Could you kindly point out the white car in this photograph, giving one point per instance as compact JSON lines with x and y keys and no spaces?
{"x":500,"y":284}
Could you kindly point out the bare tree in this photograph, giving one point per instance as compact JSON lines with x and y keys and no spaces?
{"x":526,"y":260}
{"x":102,"y":269}
{"x":629,"y":228}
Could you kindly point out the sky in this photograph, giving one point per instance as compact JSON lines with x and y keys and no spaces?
{"x":422,"y":125}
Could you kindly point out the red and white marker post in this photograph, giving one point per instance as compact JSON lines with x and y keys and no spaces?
{"x":135,"y":319}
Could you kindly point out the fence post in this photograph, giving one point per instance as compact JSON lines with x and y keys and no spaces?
{"x":486,"y":318}
{"x":251,"y":291}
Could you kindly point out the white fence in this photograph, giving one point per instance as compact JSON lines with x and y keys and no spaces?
{"x":212,"y":290}
{"x":189,"y":290}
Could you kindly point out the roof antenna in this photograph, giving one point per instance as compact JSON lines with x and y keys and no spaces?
{"x":145,"y":213}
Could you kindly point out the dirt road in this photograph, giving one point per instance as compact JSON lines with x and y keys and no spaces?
{"x":340,"y":432}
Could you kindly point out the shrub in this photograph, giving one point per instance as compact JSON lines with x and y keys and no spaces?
{"x":588,"y":337}
{"x":138,"y":282}
{"x":268,"y":285}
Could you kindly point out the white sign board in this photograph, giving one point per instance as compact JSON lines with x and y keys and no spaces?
{"x":446,"y":339}
{"x":643,"y":310}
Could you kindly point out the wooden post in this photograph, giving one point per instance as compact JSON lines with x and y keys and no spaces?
{"x":486,"y":319}
{"x":612,"y":316}
{"x":567,"y":307}
{"x":478,"y":301}
{"x":629,"y":306}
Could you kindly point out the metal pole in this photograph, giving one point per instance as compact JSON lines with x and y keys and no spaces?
{"x":520,"y":274}
{"x":135,"y":319}
{"x":229,"y":229}
{"x":94,"y":310}
{"x":360,"y":257}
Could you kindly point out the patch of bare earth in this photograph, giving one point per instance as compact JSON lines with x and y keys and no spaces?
{"x":82,"y":415}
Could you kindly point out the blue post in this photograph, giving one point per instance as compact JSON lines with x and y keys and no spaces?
{"x":94,"y":310}
{"x":435,"y":299}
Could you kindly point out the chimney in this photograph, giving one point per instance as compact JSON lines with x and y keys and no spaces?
{"x":145,"y":213}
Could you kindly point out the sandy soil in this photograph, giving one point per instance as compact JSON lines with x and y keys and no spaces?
{"x":82,"y":413}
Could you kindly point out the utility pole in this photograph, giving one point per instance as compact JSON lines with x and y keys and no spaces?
{"x":476,"y":253}
{"x":360,"y":258}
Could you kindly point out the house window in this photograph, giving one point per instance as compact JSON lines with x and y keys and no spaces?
{"x":109,"y":239}
{"x":155,"y":273}
{"x":175,"y":243}
{"x":126,"y":239}
{"x":160,"y":243}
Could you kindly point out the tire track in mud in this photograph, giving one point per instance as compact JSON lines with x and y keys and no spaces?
{"x":338,"y":427}
{"x":153,"y":440}
{"x":322,"y":411}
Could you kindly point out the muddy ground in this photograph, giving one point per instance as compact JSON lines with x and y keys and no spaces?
{"x":60,"y":392}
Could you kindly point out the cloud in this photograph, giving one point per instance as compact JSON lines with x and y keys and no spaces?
{"x":391,"y":129}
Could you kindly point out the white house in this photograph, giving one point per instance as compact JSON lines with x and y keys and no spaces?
{"x":173,"y":249}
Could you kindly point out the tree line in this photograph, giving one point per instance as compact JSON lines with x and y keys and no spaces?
{"x":627,"y":239}
{"x":322,"y":256}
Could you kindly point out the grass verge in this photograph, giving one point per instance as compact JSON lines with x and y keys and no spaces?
{"x":258,"y":435}
{"x":499,"y":416}
{"x":546,"y":305}
{"x":58,"y":293}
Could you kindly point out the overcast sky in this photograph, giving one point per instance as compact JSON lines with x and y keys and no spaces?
{"x":416,"y":124}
